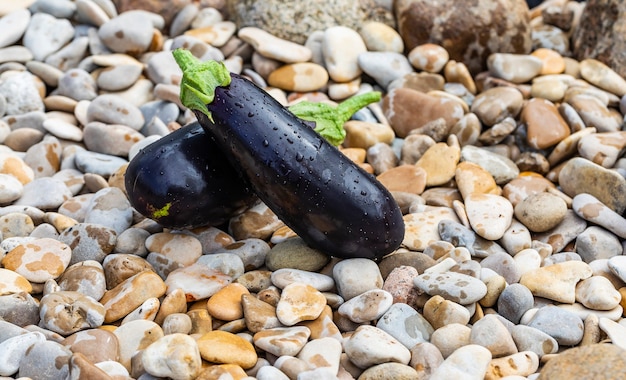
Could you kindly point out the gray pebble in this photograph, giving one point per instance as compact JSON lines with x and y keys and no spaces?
{"x":128,"y":33}
{"x":597,"y":243}
{"x":356,"y":276}
{"x":531,"y":339}
{"x":162,"y":68}
{"x":89,"y":12}
{"x":183,"y":19}
{"x":514,"y":301}
{"x":13,"y":26}
{"x":9,"y":330}
{"x":47,"y":73}
{"x":32,"y":120}
{"x":110,"y":207}
{"x":405,"y":324}
{"x":44,"y":193}
{"x":112,"y":139}
{"x":3,"y":110}
{"x":46,"y":34}
{"x":457,"y":234}
{"x":89,"y":241}
{"x":21,"y":94}
{"x":504,"y":265}
{"x":23,"y":138}
{"x":78,"y":85}
{"x":56,"y":8}
{"x":21,"y":309}
{"x":69,"y":56}
{"x":166,"y":111}
{"x":117,"y":78}
{"x":560,"y":258}
{"x":200,"y":49}
{"x":45,"y":230}
{"x":107,"y":6}
{"x":142,"y":144}
{"x":384,"y":67}
{"x":98,"y":163}
{"x":75,"y":207}
{"x":382,"y":157}
{"x":49,"y":358}
{"x":227,"y":263}
{"x":500,"y":167}
{"x":96,"y":46}
{"x":251,"y":251}
{"x":563,"y":325}
{"x":132,"y":241}
{"x":113,"y":109}
{"x":155,"y":126}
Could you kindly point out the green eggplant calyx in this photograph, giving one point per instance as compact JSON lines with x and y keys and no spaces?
{"x":329,"y":120}
{"x":200,"y":79}
{"x":163,"y":211}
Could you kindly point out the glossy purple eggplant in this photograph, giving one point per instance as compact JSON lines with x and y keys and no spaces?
{"x":328,"y":200}
{"x":183,"y":180}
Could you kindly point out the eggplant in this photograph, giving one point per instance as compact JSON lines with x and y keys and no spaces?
{"x":329,"y":201}
{"x":183,"y":180}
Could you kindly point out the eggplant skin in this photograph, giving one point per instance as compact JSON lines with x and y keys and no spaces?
{"x":329,"y":201}
{"x":183,"y":181}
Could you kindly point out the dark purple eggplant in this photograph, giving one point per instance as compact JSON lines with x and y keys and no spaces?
{"x":183,"y":180}
{"x":329,"y":201}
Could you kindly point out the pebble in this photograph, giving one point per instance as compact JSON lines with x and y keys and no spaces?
{"x":282,"y":341}
{"x":131,"y":293}
{"x":517,"y":68}
{"x":557,"y":281}
{"x":96,"y":345}
{"x":356,"y":276}
{"x":369,"y":346}
{"x":568,"y":331}
{"x":586,"y":361}
{"x":26,"y":259}
{"x":440,"y":312}
{"x":593,"y":210}
{"x":496,"y":104}
{"x":491,"y":333}
{"x":384,"y":66}
{"x":367,"y":306}
{"x":286,"y":276}
{"x":14,"y":348}
{"x":135,"y":336}
{"x":456,"y":287}
{"x":224,"y":347}
{"x":490,"y":215}
{"x":226,"y":303}
{"x":66,"y":312}
{"x":47,"y":357}
{"x":538,"y":112}
{"x":299,"y":302}
{"x":468,"y":362}
{"x":405,"y":324}
{"x":429,"y":57}
{"x":541,"y":212}
{"x":274,"y":47}
{"x":518,"y":364}
{"x":198,"y":281}
{"x":46,"y":34}
{"x":176,"y":356}
{"x":109,"y":207}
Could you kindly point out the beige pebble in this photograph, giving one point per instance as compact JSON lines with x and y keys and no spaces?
{"x":516,"y":68}
{"x":363,"y":134}
{"x":379,"y":36}
{"x":12,"y":282}
{"x":341,"y":47}
{"x":299,"y":302}
{"x":299,"y":77}
{"x":541,"y":212}
{"x":489,"y":215}
{"x":599,"y":74}
{"x":557,"y":281}
{"x":429,"y":57}
{"x":404,"y":178}
{"x":439,"y":162}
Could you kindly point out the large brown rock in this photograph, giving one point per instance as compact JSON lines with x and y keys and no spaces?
{"x":601,"y":32}
{"x":469,"y":30}
{"x":295,"y":20}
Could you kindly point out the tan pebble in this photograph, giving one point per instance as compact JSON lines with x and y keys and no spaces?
{"x":323,"y":326}
{"x":553,"y":90}
{"x":173,"y":303}
{"x":404,"y":178}
{"x":226,"y":348}
{"x":516,"y":68}
{"x":131,"y":293}
{"x":343,"y":90}
{"x":594,"y":112}
{"x":495,"y":286}
{"x":258,"y":314}
{"x":568,"y":146}
{"x":472,"y":178}
{"x":299,"y":302}
{"x":519,"y":364}
{"x":15,"y":166}
{"x":602,"y":148}
{"x":281,"y":341}
{"x":216,"y":35}
{"x":256,"y":222}
{"x":121,"y":266}
{"x":226,"y":303}
{"x":201,"y":321}
{"x":429,"y":57}
{"x":181,"y":248}
{"x":524,"y":185}
{"x":439,"y":162}
{"x":557,"y":281}
{"x":539,"y":113}
{"x":541,"y":212}
{"x":357,"y":155}
{"x":440,"y":312}
{"x":597,"y":293}
{"x":59,"y":221}
{"x":457,"y":72}
{"x":379,"y":36}
{"x":282,"y":234}
{"x":422,"y":82}
{"x":221,"y":371}
{"x":553,"y":62}
{"x":601,"y":75}
{"x":79,"y":365}
{"x":300,"y":77}
{"x":363,"y":134}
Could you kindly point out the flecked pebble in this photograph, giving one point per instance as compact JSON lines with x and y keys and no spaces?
{"x":541,"y":212}
{"x":110,"y":207}
{"x":258,"y":315}
{"x":586,"y":362}
{"x":528,"y":338}
{"x":557,"y":281}
{"x":47,"y":357}
{"x":223,"y":347}
{"x":369,"y":346}
{"x":89,"y":241}
{"x":184,"y":249}
{"x":299,"y":302}
{"x":77,"y":84}
{"x":119,"y":267}
{"x":518,"y":364}
{"x":456,"y":287}
{"x":421,"y":229}
{"x":322,"y":353}
{"x":66,"y":312}
{"x":16,"y":224}
{"x":129,"y":33}
{"x":469,"y":362}
{"x":86,"y":277}
{"x":490,"y":215}
{"x":273,"y":47}
{"x":368,"y":306}
{"x":593,"y":210}
{"x":39,"y":260}
{"x":570,"y":227}
{"x":399,"y":282}
{"x":405,"y":324}
{"x":356,"y":276}
{"x":256,"y":222}
{"x":175,"y":356}
{"x":285,"y":276}
{"x":389,"y":370}
{"x":564,"y":326}
{"x":282,"y":341}
{"x":596,"y":243}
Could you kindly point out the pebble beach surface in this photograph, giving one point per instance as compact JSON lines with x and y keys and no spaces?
{"x":512,"y":183}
